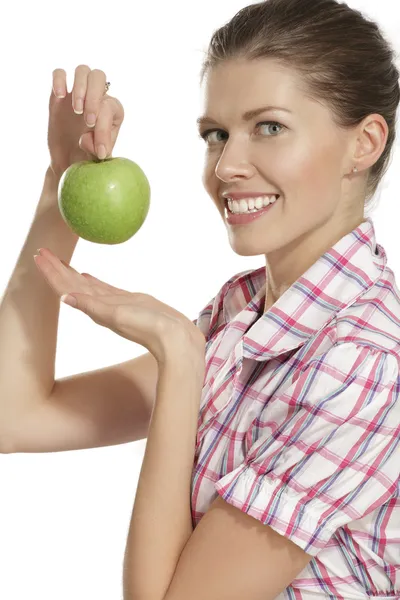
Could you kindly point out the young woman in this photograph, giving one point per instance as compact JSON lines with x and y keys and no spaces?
{"x":272,"y":462}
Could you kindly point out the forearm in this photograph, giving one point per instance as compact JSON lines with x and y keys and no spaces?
{"x":161,"y":522}
{"x":29,"y":312}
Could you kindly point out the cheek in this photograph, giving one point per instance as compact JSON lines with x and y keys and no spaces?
{"x":320,"y":172}
{"x":307,"y":167}
{"x":209,"y":179}
{"x":303,"y":171}
{"x":315,"y":185}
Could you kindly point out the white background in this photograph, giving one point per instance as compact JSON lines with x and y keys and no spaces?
{"x":64,"y":516}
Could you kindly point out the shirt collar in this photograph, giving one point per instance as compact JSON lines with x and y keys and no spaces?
{"x":333,"y":283}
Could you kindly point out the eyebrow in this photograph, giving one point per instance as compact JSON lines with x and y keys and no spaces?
{"x":247,"y":116}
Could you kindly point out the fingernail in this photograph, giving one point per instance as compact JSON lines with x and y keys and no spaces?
{"x":60,"y":93}
{"x":101,"y":152}
{"x":91,"y":120}
{"x":67,"y":299}
{"x":78,"y":110}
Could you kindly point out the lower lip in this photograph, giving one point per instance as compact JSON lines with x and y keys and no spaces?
{"x":247,"y":218}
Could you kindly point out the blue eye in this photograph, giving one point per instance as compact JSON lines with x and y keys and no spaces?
{"x":205,"y":134}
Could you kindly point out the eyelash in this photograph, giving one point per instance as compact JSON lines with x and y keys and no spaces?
{"x":206,"y":133}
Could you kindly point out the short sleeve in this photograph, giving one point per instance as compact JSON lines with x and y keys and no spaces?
{"x":325,"y":451}
{"x":204,"y":318}
{"x":211,"y":316}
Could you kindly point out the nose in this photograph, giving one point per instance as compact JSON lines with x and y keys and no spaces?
{"x":233,"y":164}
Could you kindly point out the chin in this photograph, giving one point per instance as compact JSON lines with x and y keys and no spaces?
{"x":246,"y":249}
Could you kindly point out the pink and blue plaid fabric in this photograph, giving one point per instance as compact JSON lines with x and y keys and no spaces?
{"x":299,"y":422}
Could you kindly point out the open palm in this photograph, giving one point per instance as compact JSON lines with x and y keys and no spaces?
{"x":64,"y":279}
{"x":135,"y":316}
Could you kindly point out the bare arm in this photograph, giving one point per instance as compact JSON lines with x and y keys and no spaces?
{"x":29,"y":313}
{"x":38,"y":414}
{"x":104,"y":407}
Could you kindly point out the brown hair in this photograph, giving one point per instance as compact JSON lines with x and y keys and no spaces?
{"x":343,"y":58}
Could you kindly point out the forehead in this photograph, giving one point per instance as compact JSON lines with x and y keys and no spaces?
{"x":236,"y":86}
{"x":245,"y":78}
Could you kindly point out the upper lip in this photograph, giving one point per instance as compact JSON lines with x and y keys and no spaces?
{"x":241,"y":195}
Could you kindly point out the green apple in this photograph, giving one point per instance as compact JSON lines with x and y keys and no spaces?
{"x":104,"y":201}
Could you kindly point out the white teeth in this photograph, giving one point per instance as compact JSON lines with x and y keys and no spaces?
{"x":250,"y":204}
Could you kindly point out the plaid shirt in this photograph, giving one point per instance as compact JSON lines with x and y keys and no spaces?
{"x":299,"y":422}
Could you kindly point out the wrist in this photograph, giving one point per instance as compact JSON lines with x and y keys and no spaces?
{"x":54,"y":174}
{"x":183,"y":356}
{"x":182,"y":348}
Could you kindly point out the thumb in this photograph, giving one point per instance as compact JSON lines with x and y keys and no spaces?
{"x":86,"y":303}
{"x":100,"y":312}
{"x":69,"y":299}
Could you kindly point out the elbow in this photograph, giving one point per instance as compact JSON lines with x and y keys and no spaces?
{"x":6,"y":446}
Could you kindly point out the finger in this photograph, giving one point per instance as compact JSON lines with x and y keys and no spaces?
{"x":60,"y":278}
{"x":60,"y":83}
{"x":102,"y":132}
{"x":63,"y":270}
{"x":100,"y":313}
{"x":139,"y":301}
{"x":104,"y":287}
{"x":68,"y":266}
{"x":54,"y":260}
{"x":53,"y":277}
{"x":79,"y":88}
{"x":107,"y":127}
{"x":94,"y":96}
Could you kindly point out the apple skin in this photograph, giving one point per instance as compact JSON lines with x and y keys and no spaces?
{"x":104,"y":201}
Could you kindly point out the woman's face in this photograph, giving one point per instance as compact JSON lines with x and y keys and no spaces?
{"x":301,"y":155}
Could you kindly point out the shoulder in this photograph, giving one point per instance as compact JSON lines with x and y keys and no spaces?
{"x":350,"y":376}
{"x":212,"y":316}
{"x":373,"y":320}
